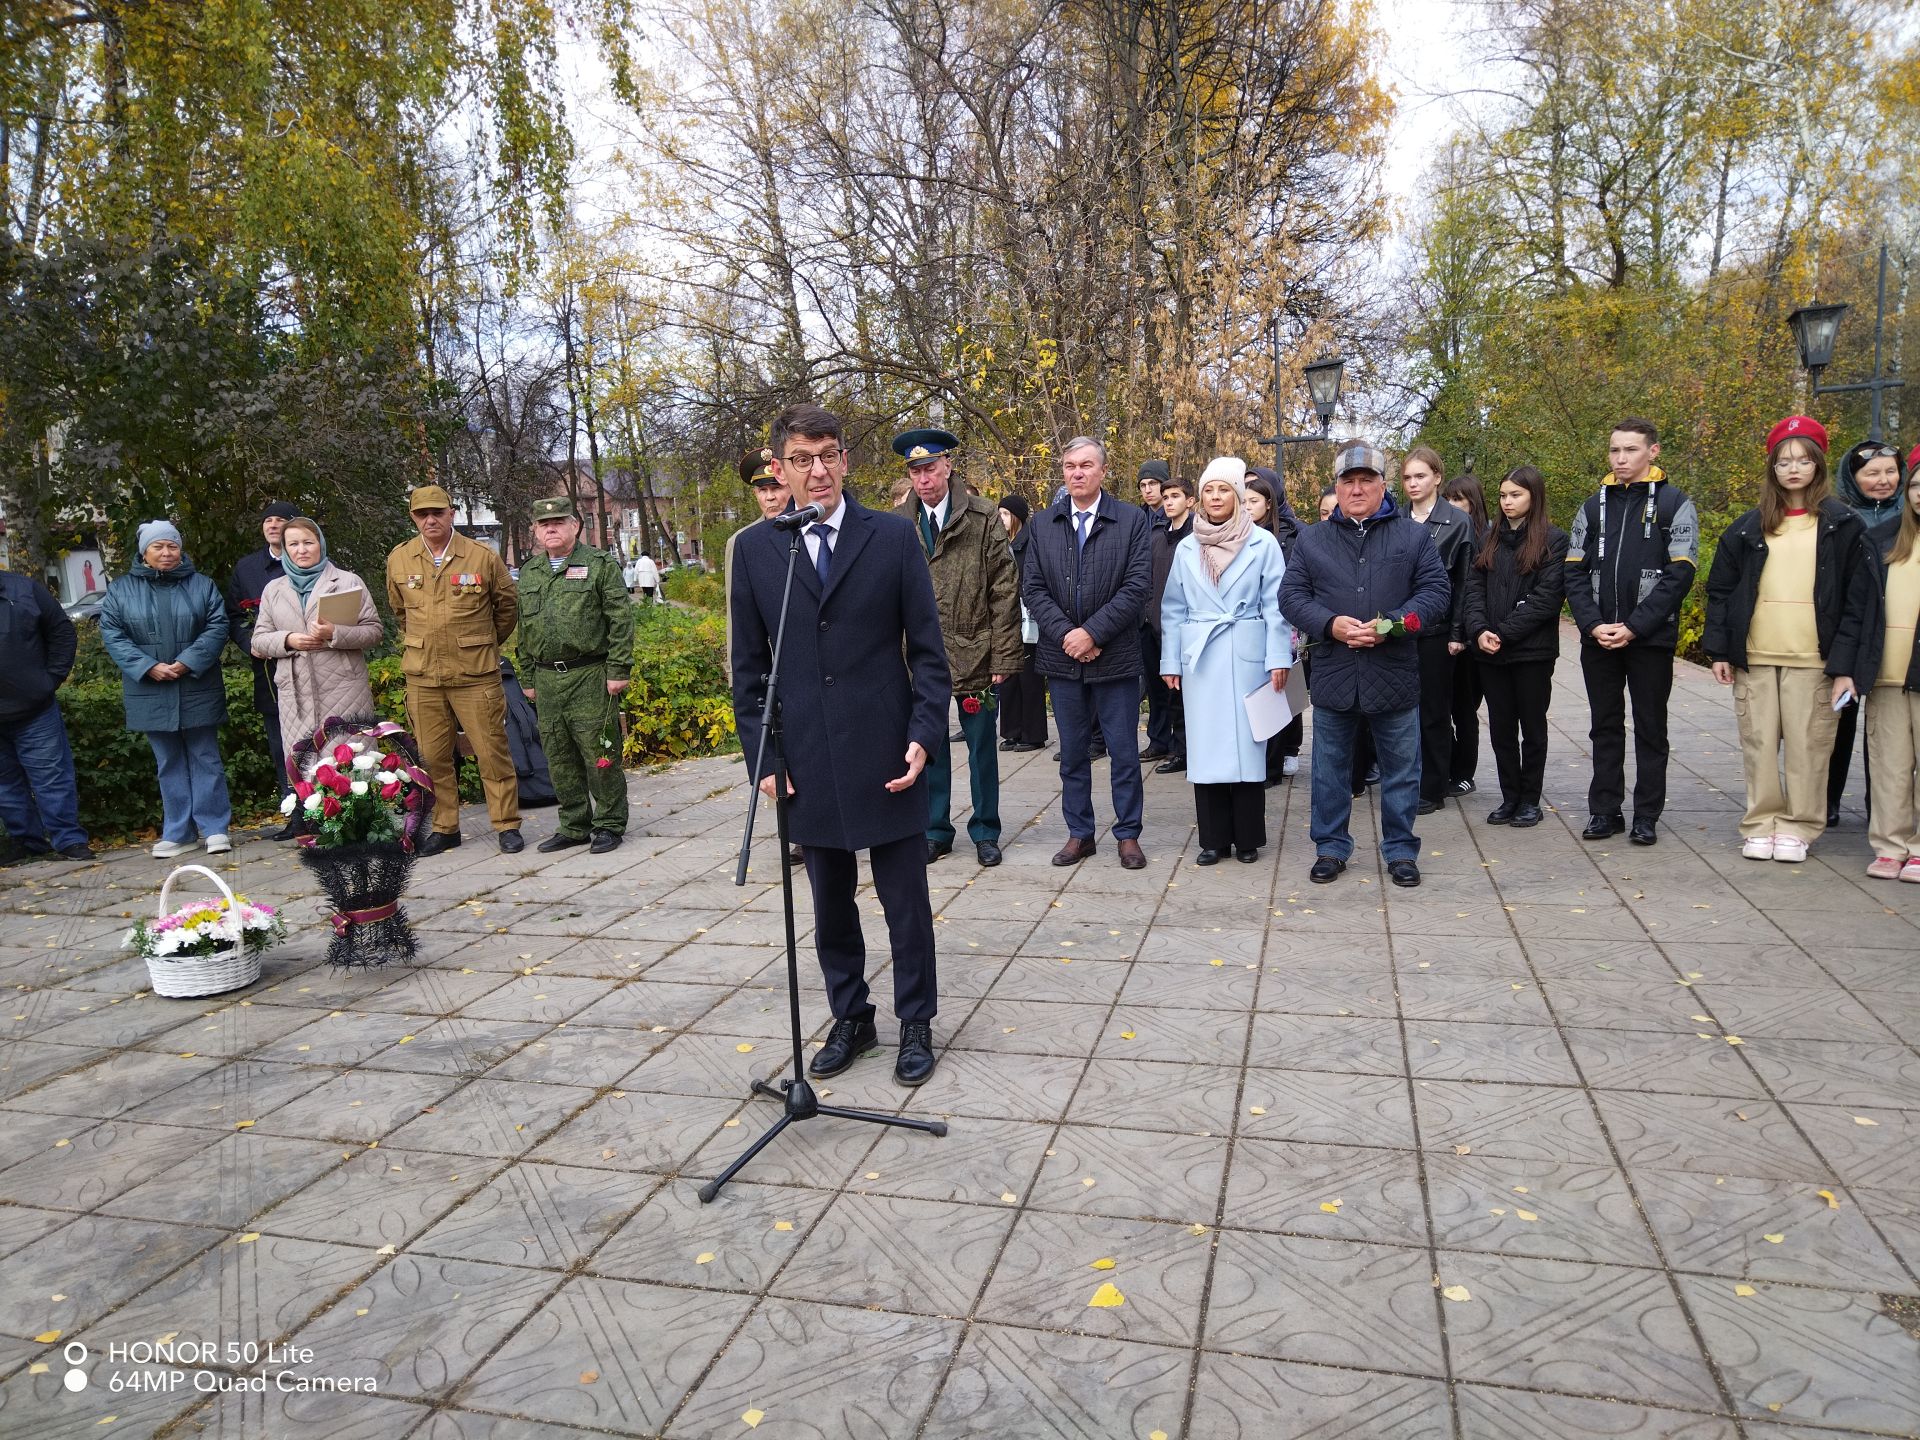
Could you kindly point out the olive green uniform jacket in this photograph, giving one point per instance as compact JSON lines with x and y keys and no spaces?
{"x":977,"y":588}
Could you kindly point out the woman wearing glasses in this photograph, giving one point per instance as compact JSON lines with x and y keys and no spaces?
{"x":1793,"y":610}
{"x":1867,"y":482}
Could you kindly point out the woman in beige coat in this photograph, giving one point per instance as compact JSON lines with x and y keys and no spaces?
{"x":320,"y":668}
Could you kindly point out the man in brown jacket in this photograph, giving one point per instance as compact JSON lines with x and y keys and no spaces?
{"x":455,"y":602}
{"x":977,"y":589}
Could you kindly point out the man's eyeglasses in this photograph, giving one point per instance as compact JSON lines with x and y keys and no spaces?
{"x":803,"y":464}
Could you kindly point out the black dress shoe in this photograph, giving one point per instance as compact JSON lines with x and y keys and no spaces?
{"x":1833,"y":816}
{"x":1526,"y":816}
{"x":1006,"y":745}
{"x":1154,"y":752}
{"x":1097,"y":752}
{"x":603,"y":841}
{"x":560,"y":840}
{"x":1326,"y":870}
{"x":1643,"y":832}
{"x":937,"y":848}
{"x":1207,"y":857}
{"x":1604,"y":827}
{"x":797,"y":854}
{"x":1027,"y":745}
{"x":847,"y":1041}
{"x":958,"y":737}
{"x":1373,"y":775}
{"x":288,"y":831}
{"x":438,"y":841}
{"x":1463,"y":787}
{"x":1502,"y":814}
{"x":1403,"y":873}
{"x":1426,"y":806}
{"x":988,"y":853}
{"x":1171,"y":767}
{"x":916,"y":1060}
{"x":511,"y":843}
{"x":1247,"y":856}
{"x":79,"y":850}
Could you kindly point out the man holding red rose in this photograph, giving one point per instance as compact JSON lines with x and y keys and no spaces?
{"x":1361,"y":587}
{"x":977,"y":589}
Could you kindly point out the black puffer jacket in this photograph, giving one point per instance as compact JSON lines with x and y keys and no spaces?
{"x":1102,"y":589}
{"x":1846,"y":593}
{"x":1522,"y":609}
{"x":1166,"y":539}
{"x":1383,"y":566}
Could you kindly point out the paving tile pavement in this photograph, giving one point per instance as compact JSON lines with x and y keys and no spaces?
{"x":1573,"y":1140}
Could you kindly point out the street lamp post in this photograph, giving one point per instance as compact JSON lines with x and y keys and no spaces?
{"x":1815,"y":327}
{"x":1323,"y":386}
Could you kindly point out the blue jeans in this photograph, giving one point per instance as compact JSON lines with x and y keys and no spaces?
{"x":193,"y":783}
{"x":1115,"y":705}
{"x":39,"y":803}
{"x":1396,"y":741}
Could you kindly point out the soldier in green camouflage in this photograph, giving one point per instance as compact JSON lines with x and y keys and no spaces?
{"x":576,"y":647}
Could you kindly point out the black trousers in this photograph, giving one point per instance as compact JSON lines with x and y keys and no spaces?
{"x":1023,"y":705}
{"x":1645,"y":673}
{"x":900,"y":879}
{"x":1518,"y":693}
{"x":277,"y":750}
{"x":1843,"y":758}
{"x":1232,"y":817}
{"x":1466,"y":717}
{"x":1363,"y":753}
{"x":1436,"y":717}
{"x":1161,"y":702}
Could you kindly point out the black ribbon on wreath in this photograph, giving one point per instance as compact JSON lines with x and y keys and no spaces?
{"x":365,"y":883}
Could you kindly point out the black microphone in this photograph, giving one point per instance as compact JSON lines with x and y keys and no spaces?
{"x":794,"y":519}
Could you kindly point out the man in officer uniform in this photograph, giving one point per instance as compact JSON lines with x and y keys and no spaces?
{"x":770,"y":494}
{"x":977,"y":589}
{"x":455,"y":603}
{"x":576,"y":645}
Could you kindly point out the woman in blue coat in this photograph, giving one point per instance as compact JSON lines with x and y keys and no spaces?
{"x":1223,"y":638}
{"x":164,"y":624}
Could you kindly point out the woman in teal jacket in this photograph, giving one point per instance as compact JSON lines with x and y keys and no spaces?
{"x":164,"y":625}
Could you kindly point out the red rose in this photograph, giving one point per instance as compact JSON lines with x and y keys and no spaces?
{"x":249,"y":604}
{"x":343,"y":755}
{"x":971,"y":705}
{"x":391,"y":761}
{"x":603,"y":763}
{"x":329,"y":807}
{"x":389,"y":790}
{"x":1412,"y":622}
{"x":302,"y":789}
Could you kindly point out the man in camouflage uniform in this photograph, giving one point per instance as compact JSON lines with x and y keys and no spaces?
{"x":576,"y":646}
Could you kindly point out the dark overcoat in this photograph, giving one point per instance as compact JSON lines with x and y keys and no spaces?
{"x":864,"y":673}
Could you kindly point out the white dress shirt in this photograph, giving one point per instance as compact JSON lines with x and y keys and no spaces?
{"x":832,"y":522}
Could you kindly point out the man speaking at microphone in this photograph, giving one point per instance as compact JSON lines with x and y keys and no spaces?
{"x":864,"y":691}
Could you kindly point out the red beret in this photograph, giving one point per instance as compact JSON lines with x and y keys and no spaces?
{"x":1798,"y":427}
{"x":1913,"y":458}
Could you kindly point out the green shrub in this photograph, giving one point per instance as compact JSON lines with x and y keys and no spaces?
{"x":679,"y":704}
{"x":689,"y":585}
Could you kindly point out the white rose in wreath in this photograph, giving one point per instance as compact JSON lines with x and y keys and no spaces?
{"x":286,"y":805}
{"x":365,"y":762}
{"x":359,"y":787}
{"x":386,"y":777}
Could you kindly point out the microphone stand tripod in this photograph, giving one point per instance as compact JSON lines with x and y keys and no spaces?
{"x":796,"y":1094}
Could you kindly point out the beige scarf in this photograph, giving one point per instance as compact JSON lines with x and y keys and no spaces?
{"x":1219,"y":543}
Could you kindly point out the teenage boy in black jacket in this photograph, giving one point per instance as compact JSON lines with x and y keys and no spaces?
{"x":1177,"y":511}
{"x":1631,"y":559}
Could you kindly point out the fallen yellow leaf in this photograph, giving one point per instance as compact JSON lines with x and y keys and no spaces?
{"x":248,"y":1238}
{"x":39,"y":1367}
{"x":1216,"y":963}
{"x":1104,"y":1263}
{"x":1009,"y":1198}
{"x":783,"y":1225}
{"x":47,"y":1337}
{"x":1827,"y":1195}
{"x":1332,"y":1207}
{"x":1744,"y":1290}
{"x":1863,"y":1120}
{"x":705,"y":1257}
{"x":243,"y":1124}
{"x":1526,"y":1215}
{"x":751,"y":1418}
{"x":1735,"y":1040}
{"x":587,"y":1377}
{"x":1773,"y":1239}
{"x":1463,"y":1149}
{"x":405,"y":1040}
{"x":1256,"y":1110}
{"x":387,"y":1250}
{"x":1106,"y":1297}
{"x":743,"y":1048}
{"x":1126,"y":1034}
{"x":1459,"y":1294}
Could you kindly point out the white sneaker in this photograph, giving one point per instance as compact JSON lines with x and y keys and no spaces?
{"x":167,"y":849}
{"x":1759,"y":847}
{"x":1789,"y":849}
{"x":218,"y":844}
{"x":1290,"y":765}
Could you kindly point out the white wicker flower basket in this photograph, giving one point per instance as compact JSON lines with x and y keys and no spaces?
{"x":227,"y":968}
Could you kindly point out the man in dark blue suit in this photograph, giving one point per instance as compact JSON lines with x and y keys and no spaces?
{"x":864,"y":691}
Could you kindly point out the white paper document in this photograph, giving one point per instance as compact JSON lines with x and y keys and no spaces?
{"x":1269,"y":711}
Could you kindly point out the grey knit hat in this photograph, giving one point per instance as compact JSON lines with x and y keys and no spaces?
{"x":156,"y":530}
